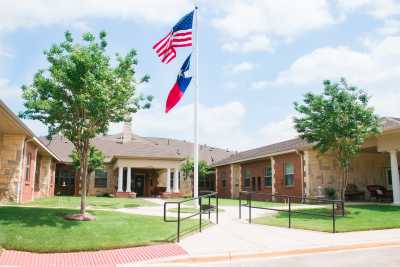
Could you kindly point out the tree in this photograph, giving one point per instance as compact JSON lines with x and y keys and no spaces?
{"x":81,"y":92}
{"x":337,"y":121}
{"x":95,"y":161}
{"x":187,"y":168}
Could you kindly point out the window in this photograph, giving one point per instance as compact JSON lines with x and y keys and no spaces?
{"x":223,"y":179}
{"x":268,"y":177}
{"x":289,"y":174}
{"x":37,"y":174}
{"x":247,"y":178}
{"x":28,"y":166}
{"x":100,"y":178}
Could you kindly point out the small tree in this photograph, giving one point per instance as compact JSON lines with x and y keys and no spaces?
{"x":187,"y":168}
{"x":82,"y":92}
{"x":337,"y":121}
{"x":95,"y":161}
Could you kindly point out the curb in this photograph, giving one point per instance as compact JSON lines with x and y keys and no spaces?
{"x":265,"y":255}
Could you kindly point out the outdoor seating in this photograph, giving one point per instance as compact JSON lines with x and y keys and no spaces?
{"x":379,"y":192}
{"x":353,"y":193}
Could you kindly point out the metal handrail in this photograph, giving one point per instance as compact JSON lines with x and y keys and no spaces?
{"x":200,"y":212}
{"x":289,"y":210}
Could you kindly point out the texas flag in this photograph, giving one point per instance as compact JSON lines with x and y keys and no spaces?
{"x":180,"y":86}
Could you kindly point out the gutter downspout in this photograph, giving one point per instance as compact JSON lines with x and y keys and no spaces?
{"x":300,"y":153}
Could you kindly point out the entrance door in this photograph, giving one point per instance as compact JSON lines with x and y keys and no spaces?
{"x":139,"y":185}
{"x":253,"y":184}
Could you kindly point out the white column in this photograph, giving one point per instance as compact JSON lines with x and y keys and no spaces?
{"x":175,"y":188}
{"x":168,"y":181}
{"x":395,"y":177}
{"x":120,"y":178}
{"x":128,"y":180}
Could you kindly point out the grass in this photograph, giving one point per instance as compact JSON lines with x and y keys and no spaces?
{"x":92,"y":202}
{"x":45,"y":230}
{"x":190,"y":210}
{"x":359,"y":218}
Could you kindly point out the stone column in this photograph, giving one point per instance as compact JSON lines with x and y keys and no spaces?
{"x":273,"y":189}
{"x":128,"y":180}
{"x":395,"y":177}
{"x":120,"y":179}
{"x":168,"y":181}
{"x":175,"y":188}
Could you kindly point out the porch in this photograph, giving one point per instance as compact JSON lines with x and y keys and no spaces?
{"x":147,"y":182}
{"x":373,"y":176}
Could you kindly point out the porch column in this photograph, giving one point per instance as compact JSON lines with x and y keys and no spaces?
{"x":176,"y":181}
{"x":128,"y":180}
{"x":120,"y":179}
{"x":395,"y":177}
{"x":168,"y":181}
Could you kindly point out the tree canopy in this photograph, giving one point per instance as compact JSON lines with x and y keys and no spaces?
{"x":337,"y":121}
{"x":82,"y":91}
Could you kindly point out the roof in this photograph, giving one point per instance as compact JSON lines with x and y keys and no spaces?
{"x":139,"y":147}
{"x":15,"y":125}
{"x":386,"y":123}
{"x":264,"y":151}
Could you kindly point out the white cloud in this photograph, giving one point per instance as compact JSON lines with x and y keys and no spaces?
{"x":256,"y":43}
{"x":239,"y":68}
{"x":277,"y":131}
{"x":17,"y":14}
{"x":249,"y":25}
{"x":377,"y":8}
{"x":377,"y":69}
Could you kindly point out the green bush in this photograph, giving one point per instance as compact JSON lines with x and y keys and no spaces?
{"x":330,"y":193}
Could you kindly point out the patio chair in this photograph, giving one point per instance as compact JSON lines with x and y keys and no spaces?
{"x":379,"y":192}
{"x":353,"y":193}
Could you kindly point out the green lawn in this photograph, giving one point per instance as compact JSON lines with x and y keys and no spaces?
{"x":92,"y":202}
{"x":359,"y":218}
{"x":44,"y":230}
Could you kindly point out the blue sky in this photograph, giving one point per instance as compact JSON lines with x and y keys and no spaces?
{"x":256,"y":58}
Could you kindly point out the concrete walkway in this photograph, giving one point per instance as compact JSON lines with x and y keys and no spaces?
{"x":232,"y":236}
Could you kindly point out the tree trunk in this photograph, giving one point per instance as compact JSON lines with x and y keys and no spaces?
{"x":84,"y":170}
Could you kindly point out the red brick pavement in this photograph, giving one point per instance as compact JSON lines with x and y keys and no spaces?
{"x":101,"y":258}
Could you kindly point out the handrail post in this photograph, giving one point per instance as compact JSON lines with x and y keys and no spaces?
{"x":249,"y":208}
{"x":200,"y":213}
{"x":333,"y":218}
{"x":209,"y":207}
{"x":216,"y":196}
{"x":290,"y":213}
{"x":240,"y":206}
{"x":179,"y":222}
{"x":342,"y":208}
{"x":165,"y":208}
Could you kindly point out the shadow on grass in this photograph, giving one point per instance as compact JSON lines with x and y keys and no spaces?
{"x":31,"y":217}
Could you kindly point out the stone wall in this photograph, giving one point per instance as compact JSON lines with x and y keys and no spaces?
{"x":10,"y":162}
{"x":46,"y":177}
{"x":324,"y":171}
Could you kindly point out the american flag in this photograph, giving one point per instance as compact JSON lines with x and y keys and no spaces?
{"x":179,"y":36}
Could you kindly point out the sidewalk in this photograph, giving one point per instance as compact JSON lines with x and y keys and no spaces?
{"x":233,"y":236}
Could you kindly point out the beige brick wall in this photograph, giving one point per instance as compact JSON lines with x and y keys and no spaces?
{"x":10,"y":159}
{"x":324,"y":171}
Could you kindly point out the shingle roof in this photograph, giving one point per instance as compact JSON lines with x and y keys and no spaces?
{"x":386,"y":123}
{"x":288,"y":145}
{"x":147,"y":147}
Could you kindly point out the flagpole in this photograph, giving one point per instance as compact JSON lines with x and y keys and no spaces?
{"x":196,"y":106}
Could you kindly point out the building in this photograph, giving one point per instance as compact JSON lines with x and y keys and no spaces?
{"x":27,"y":166}
{"x":134,"y":165}
{"x":294,"y":168}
